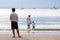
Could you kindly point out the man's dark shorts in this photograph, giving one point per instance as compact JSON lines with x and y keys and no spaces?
{"x":14,"y":25}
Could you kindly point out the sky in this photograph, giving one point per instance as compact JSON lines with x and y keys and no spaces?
{"x":29,"y":4}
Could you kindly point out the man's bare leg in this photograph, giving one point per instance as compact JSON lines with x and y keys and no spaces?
{"x":13,"y":33}
{"x":18,"y":33}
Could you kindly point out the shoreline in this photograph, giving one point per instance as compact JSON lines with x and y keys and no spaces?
{"x":32,"y":32}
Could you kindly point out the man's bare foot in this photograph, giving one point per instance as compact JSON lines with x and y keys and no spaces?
{"x":19,"y":36}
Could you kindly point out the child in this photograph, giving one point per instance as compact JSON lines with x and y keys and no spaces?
{"x":33,"y":24}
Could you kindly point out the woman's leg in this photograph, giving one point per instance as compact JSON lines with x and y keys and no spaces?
{"x":28,"y":28}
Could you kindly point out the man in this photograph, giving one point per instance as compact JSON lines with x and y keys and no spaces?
{"x":28,"y":23}
{"x":14,"y":22}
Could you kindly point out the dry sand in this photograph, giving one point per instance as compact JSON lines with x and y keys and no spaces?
{"x":30,"y":37}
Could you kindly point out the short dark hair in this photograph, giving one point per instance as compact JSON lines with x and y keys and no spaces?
{"x":13,"y":9}
{"x":28,"y":15}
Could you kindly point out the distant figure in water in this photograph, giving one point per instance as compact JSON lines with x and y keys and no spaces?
{"x":14,"y":22}
{"x":28,"y":23}
{"x":33,"y":24}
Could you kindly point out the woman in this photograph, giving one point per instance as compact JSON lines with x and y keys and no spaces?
{"x":28,"y":23}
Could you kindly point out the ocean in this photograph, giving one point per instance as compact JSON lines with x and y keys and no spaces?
{"x":43,"y":18}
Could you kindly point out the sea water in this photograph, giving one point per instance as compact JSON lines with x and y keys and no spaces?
{"x":43,"y":18}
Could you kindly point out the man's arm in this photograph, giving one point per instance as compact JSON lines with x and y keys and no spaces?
{"x":10,"y":17}
{"x":17,"y":17}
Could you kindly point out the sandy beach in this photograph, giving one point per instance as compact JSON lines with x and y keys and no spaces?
{"x":32,"y":36}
